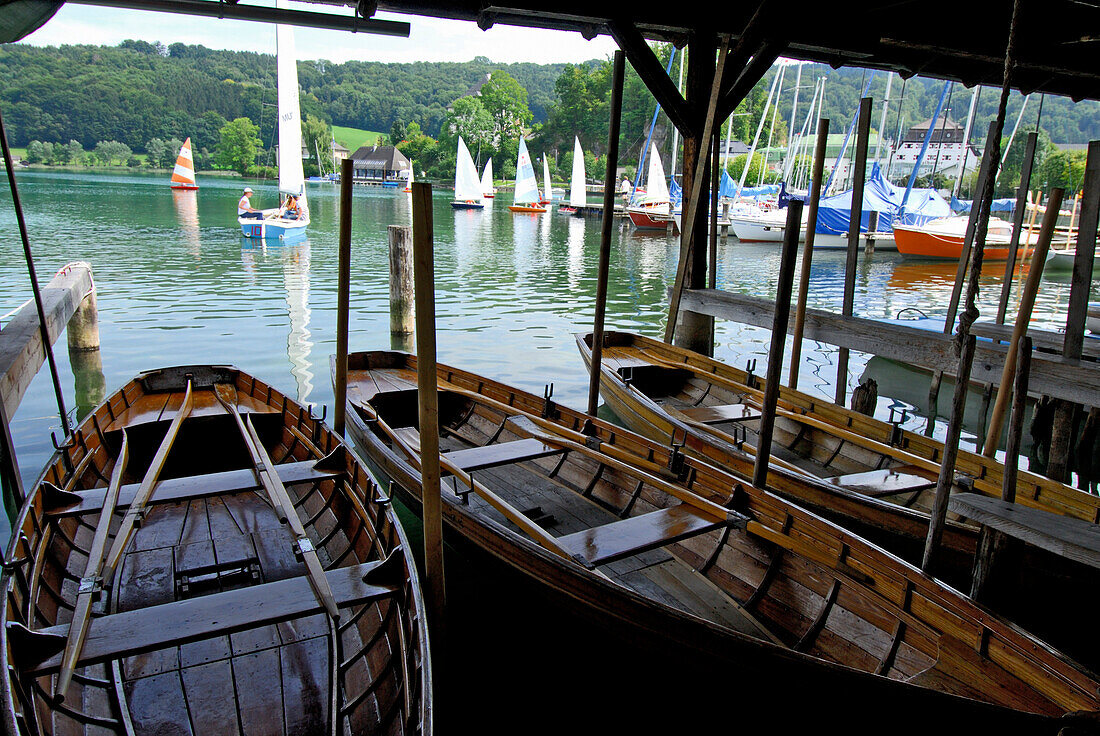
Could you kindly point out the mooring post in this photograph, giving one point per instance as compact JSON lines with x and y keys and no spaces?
{"x":859,"y":177}
{"x":715,"y":179}
{"x":85,"y":359}
{"x":992,"y":541}
{"x":426,"y":382}
{"x":608,"y":215}
{"x":779,"y":341}
{"x":808,"y":248}
{"x":872,"y":227}
{"x":1023,"y":317}
{"x":950,"y":452}
{"x":402,"y":318}
{"x":343,"y":297}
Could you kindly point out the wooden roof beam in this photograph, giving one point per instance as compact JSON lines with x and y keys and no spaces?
{"x":753,"y":72}
{"x":649,"y":68}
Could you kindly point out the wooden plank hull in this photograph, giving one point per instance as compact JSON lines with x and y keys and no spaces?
{"x":786,"y":596}
{"x":211,"y":622}
{"x":644,"y":381}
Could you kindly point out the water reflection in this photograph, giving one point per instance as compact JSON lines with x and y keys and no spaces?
{"x":187,"y":213}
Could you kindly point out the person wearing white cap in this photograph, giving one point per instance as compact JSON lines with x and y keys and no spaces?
{"x":245,"y":209}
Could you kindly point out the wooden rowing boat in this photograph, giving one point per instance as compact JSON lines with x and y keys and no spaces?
{"x":754,"y":594}
{"x":209,"y":615}
{"x":870,"y":476}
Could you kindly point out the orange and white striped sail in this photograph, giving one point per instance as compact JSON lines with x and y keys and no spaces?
{"x":183,"y":176}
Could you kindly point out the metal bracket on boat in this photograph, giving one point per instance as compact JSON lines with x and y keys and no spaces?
{"x":675,"y":457}
{"x":7,"y":565}
{"x":739,"y":434}
{"x":302,"y":545}
{"x":897,"y":433}
{"x":379,"y":498}
{"x":70,"y":441}
{"x":93,"y":584}
{"x":750,"y":378}
{"x":549,"y":408}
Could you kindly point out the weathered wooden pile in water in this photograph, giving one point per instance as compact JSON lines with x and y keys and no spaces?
{"x":870,"y":476}
{"x":731,"y":576}
{"x":256,"y":581}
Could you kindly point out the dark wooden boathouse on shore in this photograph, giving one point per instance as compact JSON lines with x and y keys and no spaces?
{"x":1030,"y":46}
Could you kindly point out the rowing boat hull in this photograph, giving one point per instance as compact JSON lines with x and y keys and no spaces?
{"x":829,"y":436}
{"x":804,"y":645}
{"x":211,"y":622}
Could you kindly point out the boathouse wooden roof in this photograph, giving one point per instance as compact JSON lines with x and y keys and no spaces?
{"x":1057,"y":40}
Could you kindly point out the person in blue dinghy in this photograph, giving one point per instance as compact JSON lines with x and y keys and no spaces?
{"x":245,"y":209}
{"x":290,"y":208}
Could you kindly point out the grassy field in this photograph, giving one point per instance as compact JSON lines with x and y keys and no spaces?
{"x":353,"y":138}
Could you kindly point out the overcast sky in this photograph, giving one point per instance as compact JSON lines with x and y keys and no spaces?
{"x":431,"y":39}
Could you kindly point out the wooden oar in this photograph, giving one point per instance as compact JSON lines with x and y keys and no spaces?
{"x":280,"y":500}
{"x":227,"y":397}
{"x":145,"y":490}
{"x":90,"y":583}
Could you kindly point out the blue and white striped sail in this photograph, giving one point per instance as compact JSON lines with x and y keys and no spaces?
{"x":527,"y":189}
{"x":467,"y":183}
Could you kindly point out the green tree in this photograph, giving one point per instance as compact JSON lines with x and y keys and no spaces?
{"x":238,"y":145}
{"x":398,"y":132}
{"x":506,"y":101}
{"x":155,"y":150}
{"x":469,"y":118}
{"x":1064,"y":169}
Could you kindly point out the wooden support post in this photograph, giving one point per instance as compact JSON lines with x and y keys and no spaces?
{"x":608,"y":218}
{"x":715,"y":179}
{"x":1023,"y":317}
{"x":1017,"y":224}
{"x":808,"y":248}
{"x":343,"y":297}
{"x":779,"y":341}
{"x":424,"y":276}
{"x":694,"y":160}
{"x":872,"y":227}
{"x":11,"y":483}
{"x":856,"y":216}
{"x":950,"y":452}
{"x":991,"y":541}
{"x":84,"y":356}
{"x":402,"y":318}
{"x":1062,"y":434}
{"x":960,"y":275}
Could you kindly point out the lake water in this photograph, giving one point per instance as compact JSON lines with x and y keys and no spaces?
{"x":176,"y":283}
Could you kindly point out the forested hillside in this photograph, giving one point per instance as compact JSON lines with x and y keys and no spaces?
{"x":138,"y":91}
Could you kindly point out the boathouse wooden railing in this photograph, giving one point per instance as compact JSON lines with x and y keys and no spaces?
{"x":1056,"y":376}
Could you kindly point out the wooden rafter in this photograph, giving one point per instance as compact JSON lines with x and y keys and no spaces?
{"x":749,"y":76}
{"x":645,"y":62}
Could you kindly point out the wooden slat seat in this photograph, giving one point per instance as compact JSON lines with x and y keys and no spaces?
{"x":603,"y":544}
{"x":147,"y":629}
{"x":884,"y":482}
{"x":722,"y":413}
{"x":197,"y":486}
{"x":1075,"y":539}
{"x":502,"y":453}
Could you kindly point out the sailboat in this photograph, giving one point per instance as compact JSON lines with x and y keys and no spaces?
{"x":652,"y":212}
{"x":467,"y":185}
{"x":183,"y":176}
{"x":526,"y":196}
{"x":547,"y":190}
{"x":487,"y":189}
{"x":279,"y":223}
{"x":408,"y":180}
{"x":578,"y":194}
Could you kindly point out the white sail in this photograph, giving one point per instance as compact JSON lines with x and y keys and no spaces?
{"x":548,"y":194}
{"x":467,"y":185}
{"x":527,"y":189}
{"x":578,"y":194}
{"x":487,"y":178}
{"x":656,"y":188}
{"x":291,"y":176}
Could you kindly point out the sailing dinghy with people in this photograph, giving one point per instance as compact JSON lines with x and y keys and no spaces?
{"x":183,"y":175}
{"x":467,"y":186}
{"x":578,"y":194}
{"x":487,"y":189}
{"x":291,"y":218}
{"x":526,"y":197}
{"x":652,"y":212}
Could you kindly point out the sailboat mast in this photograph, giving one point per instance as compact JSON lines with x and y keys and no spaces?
{"x":756,"y":138}
{"x":775,"y":114}
{"x":790,"y":128}
{"x":882,"y":120}
{"x":966,"y":140}
{"x":675,"y":130}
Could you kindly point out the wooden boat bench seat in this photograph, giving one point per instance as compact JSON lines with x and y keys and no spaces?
{"x":722,"y":413}
{"x":627,"y":537}
{"x":1075,"y":539}
{"x":884,"y":482}
{"x":494,"y":455}
{"x":125,"y":634}
{"x":194,"y":486}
